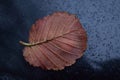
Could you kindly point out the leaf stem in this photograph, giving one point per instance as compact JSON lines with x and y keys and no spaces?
{"x":26,"y":44}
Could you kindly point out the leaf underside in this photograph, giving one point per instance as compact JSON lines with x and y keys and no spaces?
{"x":55,"y":41}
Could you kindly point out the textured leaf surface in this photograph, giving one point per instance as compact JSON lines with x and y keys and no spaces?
{"x":55,"y":41}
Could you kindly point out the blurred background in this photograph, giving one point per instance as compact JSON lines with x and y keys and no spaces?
{"x":100,"y":19}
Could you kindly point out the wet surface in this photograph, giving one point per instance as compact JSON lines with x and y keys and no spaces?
{"x":101,"y":20}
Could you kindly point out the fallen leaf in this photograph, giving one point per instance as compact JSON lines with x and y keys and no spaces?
{"x":55,"y":41}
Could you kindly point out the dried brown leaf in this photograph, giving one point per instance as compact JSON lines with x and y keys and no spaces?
{"x":55,"y":41}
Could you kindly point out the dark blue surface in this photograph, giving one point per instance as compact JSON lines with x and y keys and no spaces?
{"x":101,"y":20}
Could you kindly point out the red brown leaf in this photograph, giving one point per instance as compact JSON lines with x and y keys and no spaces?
{"x":55,"y":41}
